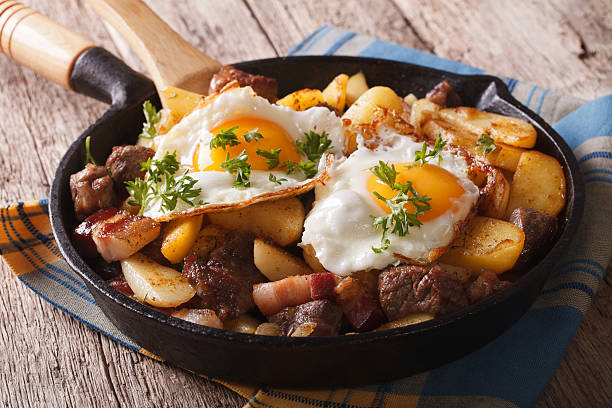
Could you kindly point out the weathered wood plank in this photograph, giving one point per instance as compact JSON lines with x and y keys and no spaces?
{"x":288,"y":22}
{"x":560,"y":45}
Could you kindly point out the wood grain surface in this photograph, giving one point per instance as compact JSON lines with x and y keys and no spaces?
{"x":50,"y":359}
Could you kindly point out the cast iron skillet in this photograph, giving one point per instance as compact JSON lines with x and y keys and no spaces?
{"x":324,"y":361}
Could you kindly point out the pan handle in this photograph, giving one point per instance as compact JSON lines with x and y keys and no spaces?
{"x":66,"y":58}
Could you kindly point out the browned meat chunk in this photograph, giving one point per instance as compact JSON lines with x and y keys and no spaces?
{"x":82,"y":235}
{"x":91,"y":189}
{"x":326,"y":314}
{"x":485,"y":285}
{"x":124,"y":234}
{"x":444,"y":95}
{"x":539,"y":229}
{"x":263,"y":86}
{"x":409,"y":289}
{"x":224,"y":283}
{"x":359,"y":305}
{"x":124,"y":164}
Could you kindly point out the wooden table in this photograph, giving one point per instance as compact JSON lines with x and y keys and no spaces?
{"x":51,"y":359}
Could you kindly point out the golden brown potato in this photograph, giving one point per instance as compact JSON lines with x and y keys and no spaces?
{"x":242,"y":324}
{"x":155,"y":284}
{"x":421,"y":112}
{"x":355,"y":87}
{"x":268,"y":329}
{"x":179,"y":236}
{"x":281,"y":221}
{"x":412,"y":318}
{"x":335,"y":93}
{"x":310,"y":257}
{"x":410,"y":99}
{"x":179,"y":101}
{"x":495,"y":201}
{"x":275,"y":263}
{"x":538,"y":183}
{"x":503,"y":129}
{"x":487,"y":243}
{"x":302,"y":99}
{"x":304,"y":329}
{"x":364,"y":110}
{"x":209,"y":238}
{"x":504,"y":156}
{"x":463,"y":275}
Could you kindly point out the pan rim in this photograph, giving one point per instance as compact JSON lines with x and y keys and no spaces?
{"x":77,"y":263}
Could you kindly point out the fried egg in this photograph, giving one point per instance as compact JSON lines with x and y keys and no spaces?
{"x":340,"y":225}
{"x":242,"y":111}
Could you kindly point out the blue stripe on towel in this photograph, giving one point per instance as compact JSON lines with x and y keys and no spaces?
{"x":346,"y":37}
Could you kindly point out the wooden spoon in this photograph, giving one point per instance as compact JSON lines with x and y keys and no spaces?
{"x":170,"y":60}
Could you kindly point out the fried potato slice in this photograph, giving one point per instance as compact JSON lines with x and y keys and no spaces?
{"x":275,"y":263}
{"x":179,"y":101}
{"x":486,"y":243}
{"x":422,"y":111}
{"x":242,"y":324}
{"x":311,"y":259}
{"x":335,"y":93}
{"x":495,"y":200}
{"x":155,"y":284}
{"x":503,"y":129}
{"x":538,"y":183}
{"x":504,"y":156}
{"x":179,"y":236}
{"x":302,"y":99}
{"x":281,"y":221}
{"x":355,"y":87}
{"x":363,"y":110}
{"x":412,"y":318}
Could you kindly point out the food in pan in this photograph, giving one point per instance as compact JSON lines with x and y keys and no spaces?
{"x":328,"y":211}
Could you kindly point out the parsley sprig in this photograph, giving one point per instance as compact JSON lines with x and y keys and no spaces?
{"x":275,"y":180}
{"x":225,"y":137}
{"x":228,"y":137}
{"x":315,"y":145}
{"x":240,"y":167}
{"x":486,"y":144}
{"x":422,"y":156}
{"x":152,"y":118}
{"x":272,"y":156}
{"x":88,"y":157}
{"x":160,"y":182}
{"x":399,"y":220}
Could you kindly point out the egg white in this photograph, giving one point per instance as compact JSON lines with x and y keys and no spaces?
{"x":339,"y":227}
{"x":217,"y":187}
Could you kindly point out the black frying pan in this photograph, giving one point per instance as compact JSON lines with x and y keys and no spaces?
{"x":281,"y":361}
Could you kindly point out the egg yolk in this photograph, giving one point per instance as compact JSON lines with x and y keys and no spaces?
{"x":433,"y":181}
{"x":273,"y":137}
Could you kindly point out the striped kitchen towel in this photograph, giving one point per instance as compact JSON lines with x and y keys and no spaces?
{"x":510,"y":371}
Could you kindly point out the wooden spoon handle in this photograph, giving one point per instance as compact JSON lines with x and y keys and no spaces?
{"x":170,"y":60}
{"x":39,"y":43}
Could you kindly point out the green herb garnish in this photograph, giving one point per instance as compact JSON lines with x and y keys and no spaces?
{"x":88,"y":157}
{"x":272,"y":156}
{"x":315,"y":145}
{"x":422,"y":156}
{"x":225,"y":137}
{"x":152,"y":118}
{"x":486,"y":144}
{"x":161,"y":183}
{"x":240,"y":167}
{"x":308,"y":168}
{"x":291,"y":167}
{"x":399,"y":220}
{"x":273,"y":179}
{"x":228,"y":137}
{"x":252,"y":135}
